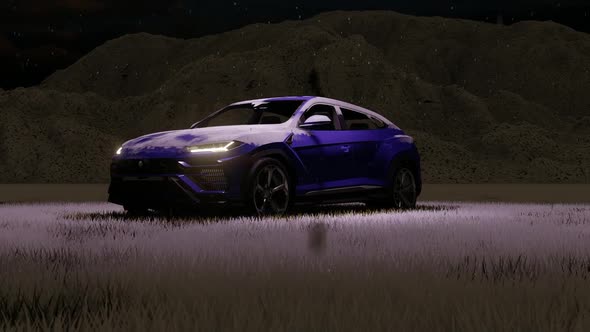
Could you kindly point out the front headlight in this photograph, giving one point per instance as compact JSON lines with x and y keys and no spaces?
{"x":119,"y":151}
{"x":214,"y":147}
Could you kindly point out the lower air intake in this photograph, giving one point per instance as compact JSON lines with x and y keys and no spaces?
{"x":212,"y":178}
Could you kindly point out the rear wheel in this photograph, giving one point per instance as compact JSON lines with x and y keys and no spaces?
{"x":404,"y":189}
{"x":269,"y":191}
{"x":402,"y":194}
{"x":133,"y":210}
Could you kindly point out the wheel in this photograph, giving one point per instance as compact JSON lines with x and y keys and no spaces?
{"x":404,"y":189}
{"x":132,"y":210}
{"x":269,"y":190}
{"x":402,"y":193}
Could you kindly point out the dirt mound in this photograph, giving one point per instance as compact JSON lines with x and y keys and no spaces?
{"x":486,"y":103}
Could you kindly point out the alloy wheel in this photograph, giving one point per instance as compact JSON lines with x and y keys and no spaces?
{"x":271,"y":190}
{"x":404,"y":189}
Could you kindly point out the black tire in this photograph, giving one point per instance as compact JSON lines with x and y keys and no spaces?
{"x":135,"y":211}
{"x":402,"y":194}
{"x":269,"y":188}
{"x":405,"y":191}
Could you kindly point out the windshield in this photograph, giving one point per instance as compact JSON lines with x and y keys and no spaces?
{"x":271,"y":112}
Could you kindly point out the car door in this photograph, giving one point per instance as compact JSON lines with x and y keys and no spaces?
{"x":327,"y":160}
{"x":366,"y":135}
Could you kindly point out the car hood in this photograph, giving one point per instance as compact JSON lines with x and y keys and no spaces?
{"x":177,"y":140}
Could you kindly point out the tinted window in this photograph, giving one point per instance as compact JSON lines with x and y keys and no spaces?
{"x":359,"y":121}
{"x":252,"y":114}
{"x":326,"y":110}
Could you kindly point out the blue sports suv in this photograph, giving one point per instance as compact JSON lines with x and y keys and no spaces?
{"x":268,"y":154}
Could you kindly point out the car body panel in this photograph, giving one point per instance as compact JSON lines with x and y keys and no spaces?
{"x":174,"y":143}
{"x":323,"y":153}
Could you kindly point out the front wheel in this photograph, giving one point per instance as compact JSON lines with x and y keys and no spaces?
{"x":269,"y":190}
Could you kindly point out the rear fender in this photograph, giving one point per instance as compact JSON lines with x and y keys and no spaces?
{"x":409,"y":158}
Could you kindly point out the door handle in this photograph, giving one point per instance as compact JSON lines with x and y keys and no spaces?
{"x":345,"y":148}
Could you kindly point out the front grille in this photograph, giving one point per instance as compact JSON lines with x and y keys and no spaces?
{"x":210,"y":178}
{"x":145,"y":166}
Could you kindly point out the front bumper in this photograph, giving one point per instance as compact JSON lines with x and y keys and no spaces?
{"x":162,"y":183}
{"x":151,"y":192}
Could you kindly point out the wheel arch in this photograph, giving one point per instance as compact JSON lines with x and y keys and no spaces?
{"x":257,"y":160}
{"x":410,"y":159}
{"x":283,"y":157}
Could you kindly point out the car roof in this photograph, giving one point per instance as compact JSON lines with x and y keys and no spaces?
{"x":315,"y":99}
{"x":287,"y":98}
{"x":343,"y":104}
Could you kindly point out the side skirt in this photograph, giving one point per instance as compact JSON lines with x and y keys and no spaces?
{"x":342,"y":195}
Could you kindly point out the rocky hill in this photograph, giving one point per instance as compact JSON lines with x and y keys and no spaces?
{"x":486,"y":103}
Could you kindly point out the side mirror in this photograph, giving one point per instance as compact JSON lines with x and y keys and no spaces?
{"x":317,"y":122}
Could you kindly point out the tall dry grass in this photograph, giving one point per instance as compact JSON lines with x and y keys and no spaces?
{"x":443,"y":267}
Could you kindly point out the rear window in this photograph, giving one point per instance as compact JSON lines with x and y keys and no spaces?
{"x":359,"y":121}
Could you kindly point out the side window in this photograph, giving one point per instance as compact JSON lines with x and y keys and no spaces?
{"x":358,"y":121}
{"x":325,"y":110}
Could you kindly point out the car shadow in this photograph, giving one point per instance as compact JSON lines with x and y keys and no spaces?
{"x":226,"y":215}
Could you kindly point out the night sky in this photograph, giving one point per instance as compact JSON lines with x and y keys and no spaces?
{"x":39,"y":36}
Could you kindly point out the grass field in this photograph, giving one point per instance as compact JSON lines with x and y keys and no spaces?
{"x":489,"y":192}
{"x":443,"y":267}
